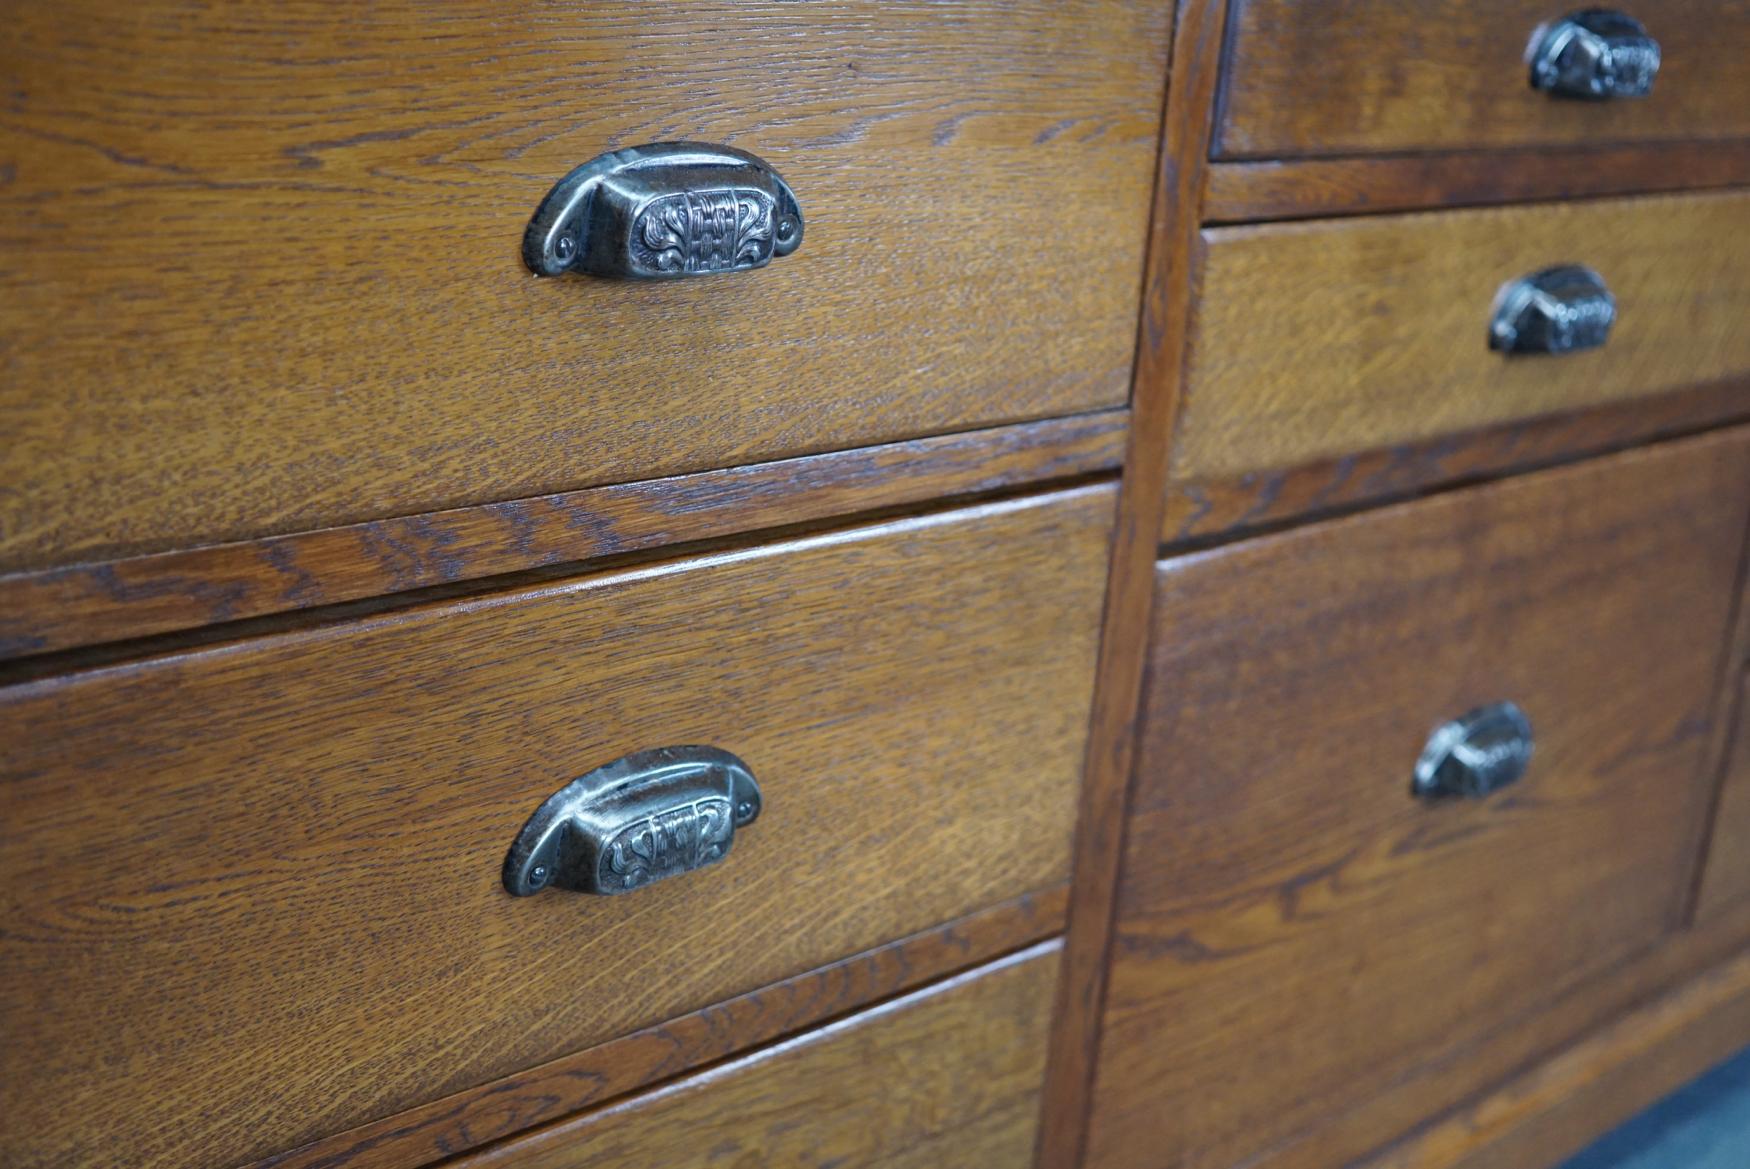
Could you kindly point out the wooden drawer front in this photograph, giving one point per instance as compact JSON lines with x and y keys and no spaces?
{"x":254,"y":891}
{"x":946,"y":1077}
{"x":1296,"y":933}
{"x":1323,"y":339}
{"x":262,"y":267}
{"x":1355,"y":77}
{"x":1725,"y":887}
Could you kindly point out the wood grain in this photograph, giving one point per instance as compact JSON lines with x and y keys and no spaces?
{"x":1714,"y":902}
{"x":1198,"y":511}
{"x":1725,"y":882}
{"x":1499,"y":1058}
{"x":61,"y":608}
{"x":949,"y":1076}
{"x":1297,"y":936}
{"x":1323,"y":339}
{"x":1357,"y":76}
{"x":523,"y":1100}
{"x":1168,"y":294}
{"x":1304,"y":188}
{"x":1551,"y":1111}
{"x":262,"y":275}
{"x":252,"y":892}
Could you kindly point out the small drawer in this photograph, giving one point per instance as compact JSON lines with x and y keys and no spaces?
{"x":948,"y":1078}
{"x":1725,"y":886}
{"x":1316,"y":340}
{"x":256,"y":892}
{"x":1297,"y":932}
{"x":1308,"y":77}
{"x":262,"y":267}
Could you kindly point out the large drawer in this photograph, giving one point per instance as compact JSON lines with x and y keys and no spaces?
{"x":262,"y":268}
{"x":948,"y":1078}
{"x":1357,"y":76}
{"x":1316,"y":340}
{"x":1297,"y":934}
{"x":253,"y":893}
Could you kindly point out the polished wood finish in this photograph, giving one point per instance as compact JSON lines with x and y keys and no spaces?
{"x":1360,"y":77}
{"x":253,"y":891}
{"x":1305,"y":188}
{"x":1297,"y":936}
{"x":1717,"y":914}
{"x":1423,"y":1097}
{"x":1166,"y":312}
{"x":1725,"y":882}
{"x":570,"y":1084}
{"x":1537,"y":1118}
{"x":61,"y":608}
{"x":1318,"y":340}
{"x":949,"y":1076}
{"x":262,"y":271}
{"x":1204,"y":511}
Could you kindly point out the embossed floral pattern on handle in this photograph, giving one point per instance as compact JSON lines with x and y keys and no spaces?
{"x":668,"y":209}
{"x":646,"y":816}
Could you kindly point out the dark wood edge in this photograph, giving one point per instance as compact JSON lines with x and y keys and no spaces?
{"x":471,"y":1119}
{"x":62,"y":608}
{"x":1301,"y":188}
{"x":1200,"y":512}
{"x":1174,"y":252}
{"x":1550,"y":1111}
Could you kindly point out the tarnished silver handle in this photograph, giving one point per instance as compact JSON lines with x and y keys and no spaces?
{"x":664,"y":210}
{"x":1479,"y":752}
{"x":647,"y":816}
{"x":1596,"y":53}
{"x":1558,"y":310}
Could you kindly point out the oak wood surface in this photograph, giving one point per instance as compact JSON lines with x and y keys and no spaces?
{"x":1498,"y":1058}
{"x":1305,"y":188}
{"x":252,"y":892}
{"x":1725,"y":882}
{"x":1199,"y":511}
{"x":523,"y":1100}
{"x":60,"y":608}
{"x":1353,"y":76}
{"x":1316,"y":340}
{"x":1297,"y":936}
{"x":1166,"y":309}
{"x":1552,"y":1110}
{"x":948,"y":1076}
{"x":262,"y":267}
{"x":1720,"y":914}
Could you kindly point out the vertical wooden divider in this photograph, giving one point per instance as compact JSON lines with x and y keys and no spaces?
{"x":1173,"y":264}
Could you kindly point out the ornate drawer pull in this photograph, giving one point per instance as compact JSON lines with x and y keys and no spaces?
{"x":1479,"y":752}
{"x":1557,"y":310}
{"x":664,"y":210}
{"x":1595,"y":53}
{"x":639,"y":819}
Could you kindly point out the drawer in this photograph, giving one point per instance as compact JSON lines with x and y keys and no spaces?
{"x":1296,"y":933}
{"x":1321,"y":339}
{"x":1725,"y":886}
{"x":262,"y":266}
{"x":1352,"y":77}
{"x":948,"y":1077}
{"x":254,"y":891}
